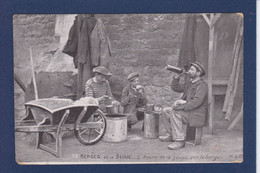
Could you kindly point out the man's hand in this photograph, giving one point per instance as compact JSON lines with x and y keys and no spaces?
{"x":177,"y":75}
{"x":103,"y":98}
{"x":131,"y":95}
{"x":140,"y":90}
{"x":180,"y":107}
{"x":179,"y":102}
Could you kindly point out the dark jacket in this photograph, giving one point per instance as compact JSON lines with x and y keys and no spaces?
{"x":129,"y":102}
{"x":196,"y":95}
{"x":78,"y":44}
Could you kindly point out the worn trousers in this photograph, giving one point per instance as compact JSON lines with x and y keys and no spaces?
{"x":175,"y":123}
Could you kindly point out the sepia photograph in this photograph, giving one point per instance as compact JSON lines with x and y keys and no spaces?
{"x":153,"y":88}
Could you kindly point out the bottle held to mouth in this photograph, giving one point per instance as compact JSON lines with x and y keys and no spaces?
{"x":175,"y":69}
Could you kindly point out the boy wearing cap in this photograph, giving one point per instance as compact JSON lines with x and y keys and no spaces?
{"x":133,"y":96}
{"x":98,"y":87}
{"x":190,"y":109}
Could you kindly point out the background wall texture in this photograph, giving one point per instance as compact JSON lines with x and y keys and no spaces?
{"x":140,"y":42}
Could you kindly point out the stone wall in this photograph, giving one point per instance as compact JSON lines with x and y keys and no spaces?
{"x":35,"y":32}
{"x":140,"y":42}
{"x":145,"y":43}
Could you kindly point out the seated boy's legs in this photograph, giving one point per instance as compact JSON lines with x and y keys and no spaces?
{"x":131,"y":120}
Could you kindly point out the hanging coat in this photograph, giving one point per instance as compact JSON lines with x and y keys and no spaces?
{"x":78,"y":44}
{"x":85,"y":27}
{"x":100,"y":45}
{"x":70,"y":47}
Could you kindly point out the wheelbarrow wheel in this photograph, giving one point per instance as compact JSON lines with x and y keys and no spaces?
{"x":92,"y":130}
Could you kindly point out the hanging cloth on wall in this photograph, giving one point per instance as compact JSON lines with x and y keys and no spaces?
{"x":89,"y":45}
{"x":187,"y":52}
{"x":70,"y":47}
{"x":100,"y":45}
{"x":78,"y":44}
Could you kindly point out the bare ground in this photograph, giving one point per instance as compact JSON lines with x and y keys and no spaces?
{"x":223,"y":146}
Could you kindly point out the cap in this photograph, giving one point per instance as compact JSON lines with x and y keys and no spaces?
{"x":199,"y":67}
{"x":102,"y":70}
{"x":132,"y":76}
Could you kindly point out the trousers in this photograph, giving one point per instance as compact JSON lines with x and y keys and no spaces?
{"x":175,"y":123}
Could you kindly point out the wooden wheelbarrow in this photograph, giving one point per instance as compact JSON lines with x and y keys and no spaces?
{"x":56,"y":116}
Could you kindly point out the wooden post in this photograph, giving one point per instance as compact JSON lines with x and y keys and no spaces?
{"x":237,"y":118}
{"x":19,"y":82}
{"x":235,"y":55}
{"x":210,"y":70}
{"x":33,"y":76}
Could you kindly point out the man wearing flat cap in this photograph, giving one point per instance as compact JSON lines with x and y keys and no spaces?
{"x":98,"y":87}
{"x":190,"y":109}
{"x":133,"y":96}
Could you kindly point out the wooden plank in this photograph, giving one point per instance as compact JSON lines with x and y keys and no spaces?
{"x":236,"y":119}
{"x":215,"y":19}
{"x":43,"y":128}
{"x":90,"y":125}
{"x":48,"y":149}
{"x":233,"y":94}
{"x":19,"y":82}
{"x":210,"y":74}
{"x":33,"y":76}
{"x":198,"y":135}
{"x":232,"y":75}
{"x":207,"y":19}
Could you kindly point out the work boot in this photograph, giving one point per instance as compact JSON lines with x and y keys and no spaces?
{"x":167,"y":138}
{"x":176,"y":145}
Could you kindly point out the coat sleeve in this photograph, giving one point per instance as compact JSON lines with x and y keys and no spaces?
{"x":125,"y":99}
{"x":176,"y":86}
{"x":95,"y":46}
{"x":197,"y":100}
{"x":109,"y":92}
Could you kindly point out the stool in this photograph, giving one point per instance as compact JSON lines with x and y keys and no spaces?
{"x":194,"y":135}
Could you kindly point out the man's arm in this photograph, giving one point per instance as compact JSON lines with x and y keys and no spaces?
{"x":125,"y":99}
{"x":176,"y":86}
{"x":108,"y":92}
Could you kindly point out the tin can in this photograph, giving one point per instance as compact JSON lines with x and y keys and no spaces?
{"x":116,"y":130}
{"x":149,"y":108}
{"x":151,"y":125}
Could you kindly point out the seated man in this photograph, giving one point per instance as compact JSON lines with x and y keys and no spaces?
{"x":98,"y":87}
{"x":191,"y":109}
{"x":133,"y":96}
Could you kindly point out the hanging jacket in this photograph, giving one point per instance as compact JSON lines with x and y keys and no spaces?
{"x":70,"y":47}
{"x":100,"y":45}
{"x":85,"y":28}
{"x":78,"y":44}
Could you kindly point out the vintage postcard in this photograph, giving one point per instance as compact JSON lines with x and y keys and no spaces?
{"x":128,"y":88}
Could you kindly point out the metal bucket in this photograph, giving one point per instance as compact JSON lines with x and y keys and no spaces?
{"x":151,"y":125}
{"x":112,"y":109}
{"x":116,"y":130}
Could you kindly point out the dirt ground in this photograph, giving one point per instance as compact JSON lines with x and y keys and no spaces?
{"x":222,"y":146}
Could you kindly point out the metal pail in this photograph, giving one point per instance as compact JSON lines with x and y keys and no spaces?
{"x":151,"y":125}
{"x":116,"y":130}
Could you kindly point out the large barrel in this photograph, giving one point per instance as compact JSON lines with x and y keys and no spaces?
{"x":151,"y":125}
{"x":116,"y":130}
